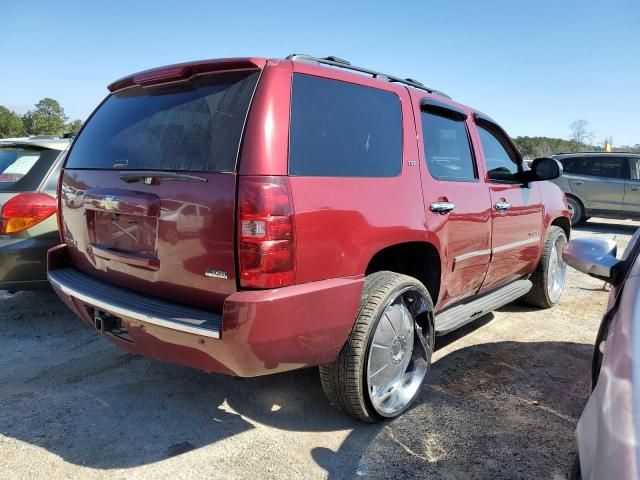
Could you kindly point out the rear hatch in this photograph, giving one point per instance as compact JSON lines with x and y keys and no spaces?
{"x":148,"y":190}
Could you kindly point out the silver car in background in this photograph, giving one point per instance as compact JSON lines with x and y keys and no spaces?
{"x":608,"y":432}
{"x":600,"y":184}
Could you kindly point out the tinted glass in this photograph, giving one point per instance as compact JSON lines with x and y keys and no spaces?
{"x":607,"y":167}
{"x":500,"y":165}
{"x":568,"y":164}
{"x":195,"y":126}
{"x":53,"y":179}
{"x":582,"y":165}
{"x":339,"y":129}
{"x":24,"y":169}
{"x":614,"y":167}
{"x":447,"y":149}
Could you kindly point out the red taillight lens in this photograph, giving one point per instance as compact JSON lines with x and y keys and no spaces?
{"x":26,"y":210}
{"x":265,"y":232}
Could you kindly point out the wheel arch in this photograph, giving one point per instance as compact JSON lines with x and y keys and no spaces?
{"x":564,"y":223}
{"x":420,"y":260}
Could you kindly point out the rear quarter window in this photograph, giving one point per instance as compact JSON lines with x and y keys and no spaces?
{"x":340,"y":129}
{"x":193,"y":126}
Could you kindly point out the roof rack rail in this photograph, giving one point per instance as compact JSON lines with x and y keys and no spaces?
{"x":341,"y":63}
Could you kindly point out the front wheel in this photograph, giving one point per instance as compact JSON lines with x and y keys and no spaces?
{"x":384,"y":363}
{"x":549,"y":277}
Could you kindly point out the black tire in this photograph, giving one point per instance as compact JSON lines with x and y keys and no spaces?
{"x":344,"y":380}
{"x":538,"y":296}
{"x":578,"y":210}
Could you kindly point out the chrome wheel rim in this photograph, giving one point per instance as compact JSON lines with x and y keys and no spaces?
{"x":399,"y":356}
{"x":557,"y":270}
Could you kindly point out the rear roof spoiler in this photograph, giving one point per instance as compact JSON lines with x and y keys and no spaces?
{"x":182,"y":71}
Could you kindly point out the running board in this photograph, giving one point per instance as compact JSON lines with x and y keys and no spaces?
{"x":455,"y":317}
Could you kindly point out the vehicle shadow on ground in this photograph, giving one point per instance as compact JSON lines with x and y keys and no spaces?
{"x":70,"y":392}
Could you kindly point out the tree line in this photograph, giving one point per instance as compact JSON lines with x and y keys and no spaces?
{"x":46,"y":118}
{"x":580,"y":140}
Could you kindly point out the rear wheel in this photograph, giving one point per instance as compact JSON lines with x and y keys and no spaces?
{"x":576,"y":210}
{"x":384,"y":363}
{"x":549,"y":278}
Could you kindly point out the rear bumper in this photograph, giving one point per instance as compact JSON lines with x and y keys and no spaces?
{"x":258,"y":332}
{"x":23,"y":262}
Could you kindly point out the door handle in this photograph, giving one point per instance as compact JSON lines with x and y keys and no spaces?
{"x":578,"y":182}
{"x":635,"y":188}
{"x":502,"y":206}
{"x":442,"y":207}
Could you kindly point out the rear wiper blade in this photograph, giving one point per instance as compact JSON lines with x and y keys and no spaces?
{"x":151,"y":177}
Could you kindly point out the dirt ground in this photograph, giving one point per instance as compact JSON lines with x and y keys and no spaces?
{"x":503,"y":400}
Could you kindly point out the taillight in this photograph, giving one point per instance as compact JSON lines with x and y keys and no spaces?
{"x":265,"y":232}
{"x":26,"y":210}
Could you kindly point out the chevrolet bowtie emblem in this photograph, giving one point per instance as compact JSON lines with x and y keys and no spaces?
{"x":110,"y":203}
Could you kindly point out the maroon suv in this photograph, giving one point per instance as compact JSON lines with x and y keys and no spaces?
{"x":251,"y":216}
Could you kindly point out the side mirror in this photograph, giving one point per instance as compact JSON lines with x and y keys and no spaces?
{"x":543,"y":169}
{"x":593,"y":256}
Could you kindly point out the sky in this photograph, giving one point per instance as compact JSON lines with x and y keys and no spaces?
{"x":534,"y":66}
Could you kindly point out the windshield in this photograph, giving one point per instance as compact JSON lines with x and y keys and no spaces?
{"x":193,"y":126}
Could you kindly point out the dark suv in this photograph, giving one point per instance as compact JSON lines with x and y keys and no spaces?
{"x":601,"y":184}
{"x":252,"y":216}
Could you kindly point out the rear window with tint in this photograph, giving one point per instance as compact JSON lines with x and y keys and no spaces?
{"x":608,"y":167}
{"x":340,"y":129}
{"x":193,"y":126}
{"x":23,"y":169}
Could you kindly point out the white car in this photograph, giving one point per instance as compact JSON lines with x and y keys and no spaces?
{"x":608,"y":432}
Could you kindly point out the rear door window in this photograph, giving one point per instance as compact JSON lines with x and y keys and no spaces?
{"x":447,"y":149}
{"x":614,"y":167}
{"x":192,"y":126}
{"x":607,"y":167}
{"x":340,"y":129}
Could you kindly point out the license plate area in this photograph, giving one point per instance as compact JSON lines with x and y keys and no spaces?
{"x":123,"y":232}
